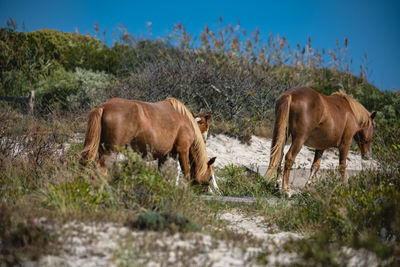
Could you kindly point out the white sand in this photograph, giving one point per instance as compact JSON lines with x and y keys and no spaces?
{"x":230,"y":151}
{"x":107,"y":244}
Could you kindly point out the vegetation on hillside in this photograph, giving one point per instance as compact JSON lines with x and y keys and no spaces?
{"x":233,"y":73}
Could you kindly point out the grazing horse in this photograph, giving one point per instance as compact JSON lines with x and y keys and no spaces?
{"x":162,"y":128}
{"x":202,"y":121}
{"x":320,"y":122}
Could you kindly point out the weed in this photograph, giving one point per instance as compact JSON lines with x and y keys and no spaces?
{"x":21,"y":239}
{"x":236,"y":182}
{"x":360,"y":214}
{"x":76,"y":195}
{"x":235,"y":76}
{"x":154,"y":221}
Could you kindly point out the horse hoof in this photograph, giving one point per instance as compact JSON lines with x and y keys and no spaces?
{"x":276,"y":191}
{"x":288,"y":194}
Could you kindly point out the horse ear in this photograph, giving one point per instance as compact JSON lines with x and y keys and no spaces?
{"x":195,"y":114}
{"x":211,"y":161}
{"x":373,"y":115}
{"x":208,"y":116}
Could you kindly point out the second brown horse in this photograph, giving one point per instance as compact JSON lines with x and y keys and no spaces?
{"x":320,"y":122}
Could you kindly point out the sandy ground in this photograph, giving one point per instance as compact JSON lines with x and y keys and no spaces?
{"x":256,"y":157}
{"x":106,"y":244}
{"x":229,"y":150}
{"x":112,"y":245}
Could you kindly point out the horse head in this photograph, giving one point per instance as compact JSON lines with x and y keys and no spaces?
{"x":208,"y":175}
{"x":364,"y":136}
{"x":202,"y":121}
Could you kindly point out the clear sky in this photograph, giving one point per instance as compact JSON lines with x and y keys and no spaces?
{"x":372,"y":26}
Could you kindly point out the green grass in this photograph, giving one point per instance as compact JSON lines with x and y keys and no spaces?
{"x":21,"y":239}
{"x":163,"y":221}
{"x":234,"y":181}
{"x":62,"y":192}
{"x":364,"y":213}
{"x":361,"y":214}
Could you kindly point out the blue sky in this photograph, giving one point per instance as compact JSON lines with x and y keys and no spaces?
{"x":373,"y":27}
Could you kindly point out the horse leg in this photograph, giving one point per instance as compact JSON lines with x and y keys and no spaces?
{"x":177,"y":168}
{"x":343,"y":151}
{"x":315,"y":166}
{"x":101,"y":163}
{"x":161,"y":161}
{"x":215,"y":185}
{"x":290,"y":157}
{"x":279,"y":176}
{"x":184,"y":162}
{"x":105,"y":152}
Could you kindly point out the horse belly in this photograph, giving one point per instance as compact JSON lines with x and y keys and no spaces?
{"x":322,"y":139}
{"x":158,"y":145}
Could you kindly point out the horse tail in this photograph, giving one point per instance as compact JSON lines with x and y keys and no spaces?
{"x":93,"y":134}
{"x":280,"y":134}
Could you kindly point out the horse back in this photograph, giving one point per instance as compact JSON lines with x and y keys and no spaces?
{"x":307,"y":108}
{"x":322,"y":120}
{"x":142,"y":124}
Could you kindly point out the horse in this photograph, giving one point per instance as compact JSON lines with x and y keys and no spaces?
{"x":202,"y":121}
{"x":320,"y":122}
{"x":162,"y":128}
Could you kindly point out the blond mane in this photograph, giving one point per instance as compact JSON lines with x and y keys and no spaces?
{"x":361,"y":113}
{"x":199,"y":146}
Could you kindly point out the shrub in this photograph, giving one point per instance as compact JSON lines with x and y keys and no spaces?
{"x":72,"y":91}
{"x":27,"y":58}
{"x":72,"y":197}
{"x":21,"y":239}
{"x":234,"y":75}
{"x":14,"y":83}
{"x":154,"y":221}
{"x":92,"y":89}
{"x":234,"y":181}
{"x":387,"y":103}
{"x":362,"y":214}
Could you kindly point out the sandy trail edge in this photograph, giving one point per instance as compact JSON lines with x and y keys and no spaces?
{"x":98,"y":244}
{"x":229,"y":150}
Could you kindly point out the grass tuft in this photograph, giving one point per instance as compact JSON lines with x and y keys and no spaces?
{"x":235,"y":181}
{"x":21,"y":240}
{"x":171,"y":222}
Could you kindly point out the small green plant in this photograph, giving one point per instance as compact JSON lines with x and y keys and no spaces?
{"x":154,"y":221}
{"x":21,"y":239}
{"x":77,"y":195}
{"x":139,"y":185}
{"x":363,"y":214}
{"x":236,"y":182}
{"x":317,"y":250}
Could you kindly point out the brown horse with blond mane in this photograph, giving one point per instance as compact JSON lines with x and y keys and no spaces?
{"x":320,"y":122}
{"x":162,"y":128}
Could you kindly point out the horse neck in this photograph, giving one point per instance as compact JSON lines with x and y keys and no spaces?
{"x":198,"y":149}
{"x":197,"y":165}
{"x":360,"y":113}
